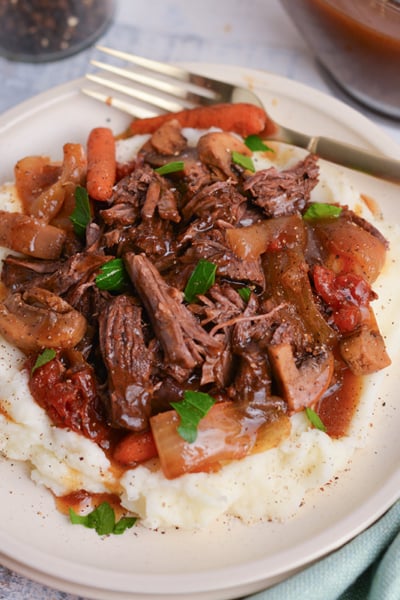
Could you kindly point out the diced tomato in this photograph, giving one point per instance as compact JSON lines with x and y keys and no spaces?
{"x":347,"y":318}
{"x":347,"y":294}
{"x":68,"y":394}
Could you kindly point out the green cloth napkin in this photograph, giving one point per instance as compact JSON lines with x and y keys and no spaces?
{"x":366,"y":568}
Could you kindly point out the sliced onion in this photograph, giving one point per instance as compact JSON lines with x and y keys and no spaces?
{"x":224,"y":434}
{"x":250,"y":242}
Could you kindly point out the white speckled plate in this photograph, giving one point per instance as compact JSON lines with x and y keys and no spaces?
{"x":225,"y":561}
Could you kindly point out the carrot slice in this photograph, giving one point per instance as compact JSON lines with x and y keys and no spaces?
{"x":102,"y":165}
{"x":244,"y":119}
{"x":135,"y":448}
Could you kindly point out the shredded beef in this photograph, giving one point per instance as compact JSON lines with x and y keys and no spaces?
{"x":281,"y":193}
{"x":55,"y":276}
{"x":21,"y":272}
{"x":219,"y":200}
{"x":196,"y":175}
{"x":129,"y":363}
{"x":185,"y":343}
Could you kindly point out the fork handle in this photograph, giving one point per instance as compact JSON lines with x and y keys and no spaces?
{"x":342,"y":153}
{"x":355,"y":158}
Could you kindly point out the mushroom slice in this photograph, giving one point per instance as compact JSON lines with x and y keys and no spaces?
{"x":38,"y":319}
{"x":168,"y":139}
{"x":30,"y":236}
{"x":215,"y":150}
{"x":304,"y":385}
{"x":364,"y":351}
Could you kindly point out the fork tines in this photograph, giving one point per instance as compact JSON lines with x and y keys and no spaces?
{"x":155,"y":87}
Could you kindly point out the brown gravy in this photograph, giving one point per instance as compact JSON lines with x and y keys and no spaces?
{"x":82,"y":501}
{"x":337,"y":409}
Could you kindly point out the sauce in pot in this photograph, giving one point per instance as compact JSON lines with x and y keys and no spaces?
{"x":358,"y":42}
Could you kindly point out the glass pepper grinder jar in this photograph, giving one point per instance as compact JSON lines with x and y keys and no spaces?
{"x":44,"y":30}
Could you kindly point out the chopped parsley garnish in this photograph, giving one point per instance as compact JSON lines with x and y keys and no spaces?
{"x":80,"y":216}
{"x":321,"y":210}
{"x":255,"y":143}
{"x":172,"y":167}
{"x":113,"y":276}
{"x":243,"y":161}
{"x":245,"y":293}
{"x":201,"y":279}
{"x":46,"y":356}
{"x":314,"y":419}
{"x":102,"y":519}
{"x":193,"y":408}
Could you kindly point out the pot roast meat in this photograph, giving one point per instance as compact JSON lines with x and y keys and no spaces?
{"x":196,"y":175}
{"x":217,"y":200}
{"x":120,"y":214}
{"x":56,"y":276}
{"x":144,"y":207}
{"x":129,"y":363}
{"x":217,"y":369}
{"x":281,"y":193}
{"x":252,"y":383}
{"x":184,"y":342}
{"x":221,"y":303}
{"x":20,"y":272}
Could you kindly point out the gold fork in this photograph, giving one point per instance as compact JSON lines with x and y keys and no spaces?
{"x":155,"y":87}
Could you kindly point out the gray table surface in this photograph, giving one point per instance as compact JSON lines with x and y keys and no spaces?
{"x":256,"y":34}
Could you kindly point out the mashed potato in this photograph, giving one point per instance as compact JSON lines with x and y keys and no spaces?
{"x":269,"y":485}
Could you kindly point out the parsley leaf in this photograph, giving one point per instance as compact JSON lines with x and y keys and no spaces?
{"x":123,"y":524}
{"x":201,"y":279}
{"x":314,"y":419}
{"x":102,"y":519}
{"x":321,"y":210}
{"x":112,"y":276}
{"x":46,"y":356}
{"x":172,"y":167}
{"x":243,"y":161}
{"x":245,"y":293}
{"x":255,"y":143}
{"x":81,"y":216}
{"x":193,"y":408}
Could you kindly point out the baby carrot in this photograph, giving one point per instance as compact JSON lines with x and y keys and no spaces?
{"x":135,"y":448}
{"x":244,"y":119}
{"x":101,"y":163}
